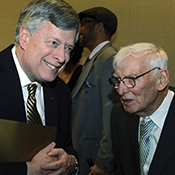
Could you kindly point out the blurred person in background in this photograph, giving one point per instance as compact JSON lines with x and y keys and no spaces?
{"x":92,"y":96}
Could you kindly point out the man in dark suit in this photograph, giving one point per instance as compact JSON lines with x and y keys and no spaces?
{"x":45,"y":35}
{"x":143,"y":125}
{"x":91,"y":96}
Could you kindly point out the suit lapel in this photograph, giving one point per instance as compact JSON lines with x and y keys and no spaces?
{"x":82,"y":77}
{"x":51,"y":107}
{"x":86,"y":71}
{"x":132,"y":128}
{"x":166,"y":144}
{"x":10,"y":84}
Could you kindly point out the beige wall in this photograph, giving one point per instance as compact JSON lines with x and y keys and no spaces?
{"x":139,"y":20}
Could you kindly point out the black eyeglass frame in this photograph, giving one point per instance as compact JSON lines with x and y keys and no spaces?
{"x":118,"y":79}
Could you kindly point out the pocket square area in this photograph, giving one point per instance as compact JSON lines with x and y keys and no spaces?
{"x":87,"y":84}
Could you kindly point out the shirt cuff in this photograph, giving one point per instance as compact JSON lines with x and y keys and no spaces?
{"x":76,"y":166}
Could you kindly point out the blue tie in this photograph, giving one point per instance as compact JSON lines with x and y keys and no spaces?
{"x":32,"y":112}
{"x":144,"y":144}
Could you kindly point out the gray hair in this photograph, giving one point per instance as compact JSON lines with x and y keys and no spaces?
{"x":58,"y":12}
{"x":155,"y":56}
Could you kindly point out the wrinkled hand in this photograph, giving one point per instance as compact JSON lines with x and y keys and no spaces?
{"x":98,"y":171}
{"x":39,"y":159}
{"x":65,"y":163}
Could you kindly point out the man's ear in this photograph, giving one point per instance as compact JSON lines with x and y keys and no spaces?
{"x":99,"y":27}
{"x":23,"y":36}
{"x":163,"y":79}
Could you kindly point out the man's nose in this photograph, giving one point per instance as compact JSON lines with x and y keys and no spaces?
{"x":59,"y":54}
{"x":122,"y":88}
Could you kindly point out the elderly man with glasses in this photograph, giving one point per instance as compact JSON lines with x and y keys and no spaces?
{"x":143,"y":124}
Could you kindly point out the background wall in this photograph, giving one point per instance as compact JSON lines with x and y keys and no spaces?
{"x":139,"y":21}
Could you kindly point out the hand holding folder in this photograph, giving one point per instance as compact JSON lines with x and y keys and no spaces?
{"x":20,"y":141}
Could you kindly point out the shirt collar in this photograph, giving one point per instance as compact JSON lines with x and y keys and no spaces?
{"x":159,"y":116}
{"x":97,"y":48}
{"x":22,"y":75}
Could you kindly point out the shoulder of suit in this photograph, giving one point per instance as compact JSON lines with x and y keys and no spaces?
{"x":109,"y":51}
{"x":58,"y":82}
{"x":107,"y":55}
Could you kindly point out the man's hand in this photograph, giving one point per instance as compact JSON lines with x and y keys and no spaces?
{"x":98,"y":171}
{"x":39,"y":159}
{"x":65,"y":163}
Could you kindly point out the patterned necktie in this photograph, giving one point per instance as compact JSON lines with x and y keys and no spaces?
{"x":144,"y":144}
{"x":32,"y":112}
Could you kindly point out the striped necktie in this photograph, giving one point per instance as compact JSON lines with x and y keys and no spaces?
{"x":144,"y":144}
{"x":32,"y":112}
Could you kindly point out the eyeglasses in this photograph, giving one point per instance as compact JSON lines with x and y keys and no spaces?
{"x":129,"y":82}
{"x":87,"y":21}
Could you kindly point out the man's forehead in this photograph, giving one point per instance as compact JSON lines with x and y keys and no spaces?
{"x":134,"y":60}
{"x":132,"y":65}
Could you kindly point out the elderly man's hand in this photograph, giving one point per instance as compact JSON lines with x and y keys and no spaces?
{"x":98,"y":171}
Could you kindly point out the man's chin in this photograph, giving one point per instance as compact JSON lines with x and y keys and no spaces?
{"x":130,"y":109}
{"x":48,"y":79}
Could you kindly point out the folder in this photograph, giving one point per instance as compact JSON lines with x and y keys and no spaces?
{"x":20,"y":141}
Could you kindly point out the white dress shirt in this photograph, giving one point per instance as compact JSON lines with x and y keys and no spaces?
{"x":97,"y":48}
{"x":158,"y":117}
{"x":24,"y":82}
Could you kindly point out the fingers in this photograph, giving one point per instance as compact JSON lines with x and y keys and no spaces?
{"x":51,"y":166}
{"x":56,"y":152}
{"x":65,"y":163}
{"x":62,"y":159}
{"x":39,"y":159}
{"x":49,"y":147}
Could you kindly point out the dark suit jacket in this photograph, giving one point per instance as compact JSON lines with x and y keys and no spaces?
{"x":57,"y":107}
{"x":125,"y":144}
